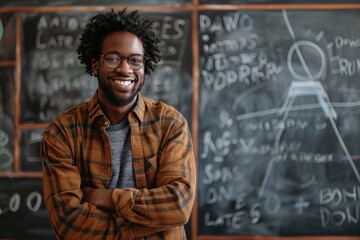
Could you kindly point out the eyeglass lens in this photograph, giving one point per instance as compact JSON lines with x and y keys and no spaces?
{"x":113,"y":60}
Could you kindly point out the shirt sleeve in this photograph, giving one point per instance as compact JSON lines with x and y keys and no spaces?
{"x":69,"y":217}
{"x":170,"y":202}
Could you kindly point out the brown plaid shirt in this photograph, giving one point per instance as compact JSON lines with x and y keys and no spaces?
{"x":76,"y":153}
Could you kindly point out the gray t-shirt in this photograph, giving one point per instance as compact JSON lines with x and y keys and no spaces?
{"x":122,"y":164}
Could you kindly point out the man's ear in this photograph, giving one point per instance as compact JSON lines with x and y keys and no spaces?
{"x":95,"y":66}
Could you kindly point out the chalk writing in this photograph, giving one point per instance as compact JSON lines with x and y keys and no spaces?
{"x":57,"y":71}
{"x":225,"y":23}
{"x":60,"y":26}
{"x":349,"y":67}
{"x":223,"y":175}
{"x":243,"y":212}
{"x":273,"y":124}
{"x":6,"y":157}
{"x":346,"y":202}
{"x":229,"y":70}
{"x":341,"y":42}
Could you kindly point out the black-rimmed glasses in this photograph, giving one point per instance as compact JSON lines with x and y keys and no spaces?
{"x":113,"y":60}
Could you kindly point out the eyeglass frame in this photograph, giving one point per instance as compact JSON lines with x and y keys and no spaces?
{"x":121,"y":58}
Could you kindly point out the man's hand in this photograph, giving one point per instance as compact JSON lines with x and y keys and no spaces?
{"x":102,"y":198}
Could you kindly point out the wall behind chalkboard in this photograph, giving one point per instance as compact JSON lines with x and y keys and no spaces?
{"x":271,"y":90}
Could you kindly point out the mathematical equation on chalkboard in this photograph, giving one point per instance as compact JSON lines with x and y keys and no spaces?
{"x":280,"y":94}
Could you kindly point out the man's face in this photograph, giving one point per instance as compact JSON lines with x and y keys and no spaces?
{"x":120,"y":84}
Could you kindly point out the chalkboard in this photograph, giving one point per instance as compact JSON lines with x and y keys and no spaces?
{"x":30,"y":141}
{"x":279,"y":109}
{"x":54,"y":80}
{"x":22,"y":211}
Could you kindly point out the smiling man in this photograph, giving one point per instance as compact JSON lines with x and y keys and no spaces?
{"x":120,"y":166}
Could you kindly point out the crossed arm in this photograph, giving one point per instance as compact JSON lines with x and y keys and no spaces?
{"x":78,"y":212}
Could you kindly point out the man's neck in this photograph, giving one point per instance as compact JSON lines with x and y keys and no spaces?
{"x":115,"y":113}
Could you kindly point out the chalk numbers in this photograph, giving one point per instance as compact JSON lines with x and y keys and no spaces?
{"x":33,"y":203}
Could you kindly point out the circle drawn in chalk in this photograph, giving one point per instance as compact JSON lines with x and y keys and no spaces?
{"x":306,"y":75}
{"x":6,"y":159}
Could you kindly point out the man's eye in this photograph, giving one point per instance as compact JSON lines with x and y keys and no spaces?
{"x":111,"y":58}
{"x":135,"y":60}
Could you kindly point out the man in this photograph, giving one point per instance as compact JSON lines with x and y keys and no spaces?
{"x":120,"y":166}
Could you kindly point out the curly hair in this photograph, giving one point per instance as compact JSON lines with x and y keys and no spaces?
{"x":103,"y":24}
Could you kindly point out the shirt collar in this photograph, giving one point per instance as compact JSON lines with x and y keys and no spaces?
{"x":139,"y":109}
{"x":95,"y":109}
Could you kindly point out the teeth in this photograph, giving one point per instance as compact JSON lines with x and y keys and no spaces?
{"x":123,"y":83}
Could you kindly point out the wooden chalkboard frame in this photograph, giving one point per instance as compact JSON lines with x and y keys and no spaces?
{"x":194,"y":9}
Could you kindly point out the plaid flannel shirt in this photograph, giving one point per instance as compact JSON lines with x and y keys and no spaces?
{"x":76,"y":153}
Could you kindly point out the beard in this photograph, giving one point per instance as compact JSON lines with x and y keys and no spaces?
{"x":118,"y":101}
